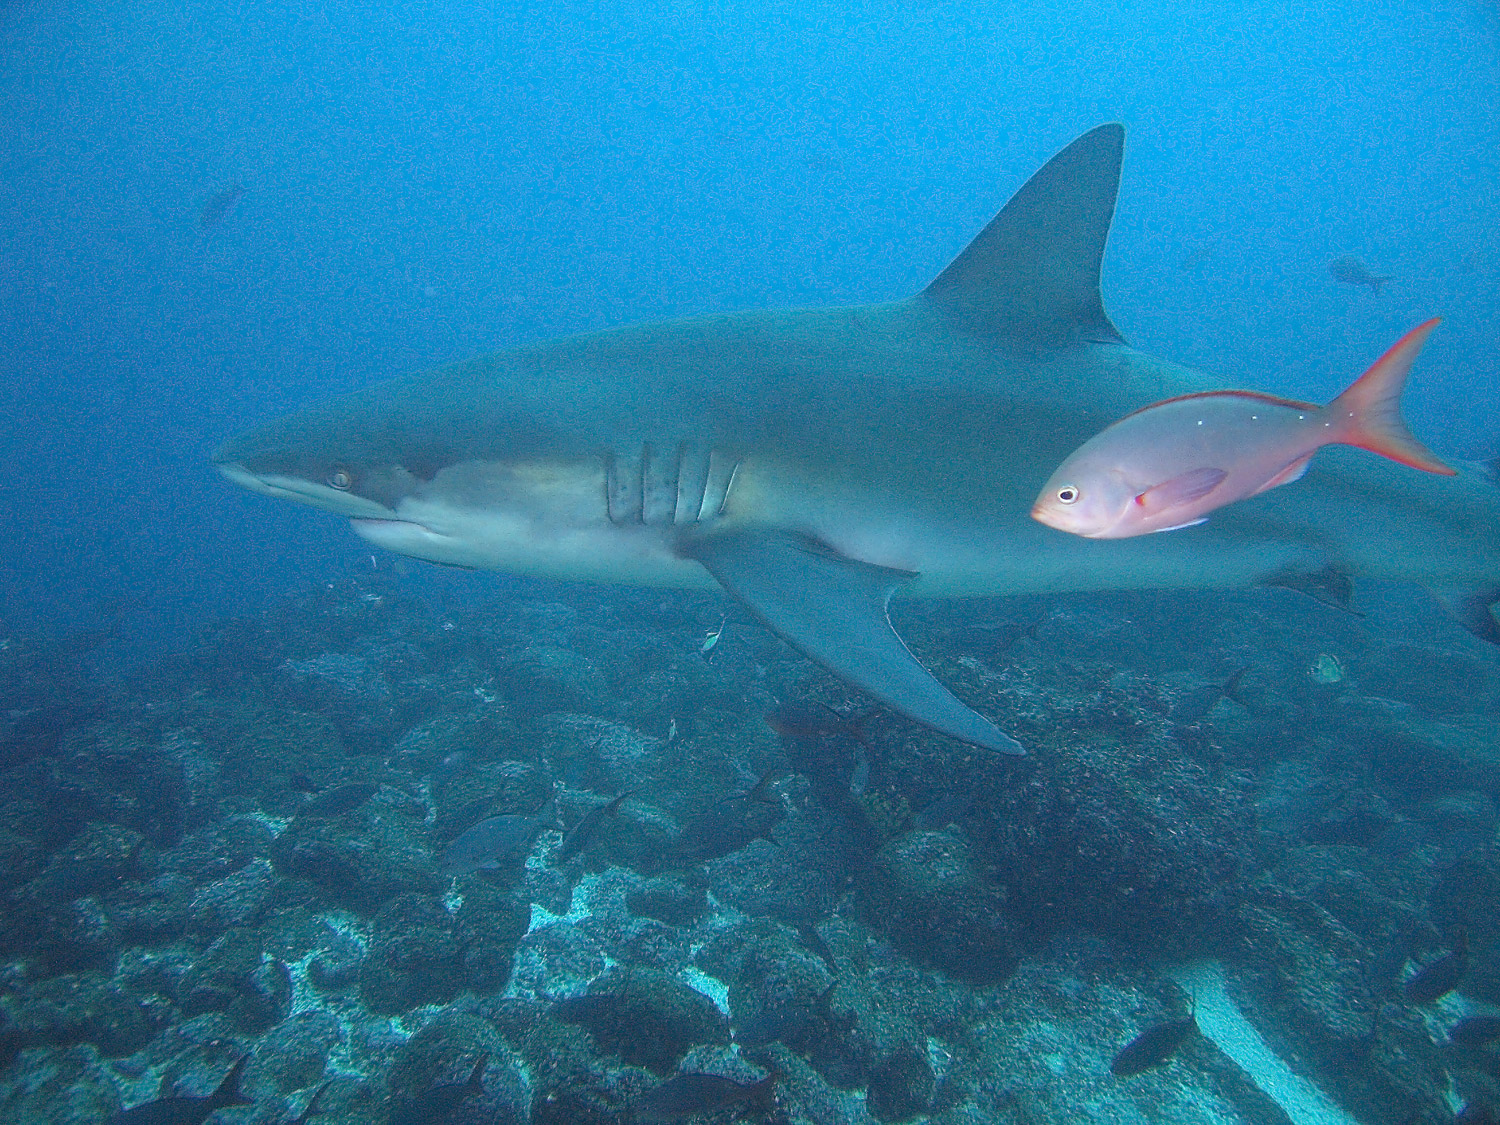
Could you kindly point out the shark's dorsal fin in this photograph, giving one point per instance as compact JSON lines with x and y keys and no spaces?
{"x":1033,"y":273}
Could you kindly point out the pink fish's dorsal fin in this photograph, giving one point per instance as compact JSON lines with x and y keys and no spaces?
{"x":1368,"y":414}
{"x":1181,"y":490}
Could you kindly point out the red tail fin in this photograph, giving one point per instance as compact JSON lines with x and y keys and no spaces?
{"x":1368,"y":414}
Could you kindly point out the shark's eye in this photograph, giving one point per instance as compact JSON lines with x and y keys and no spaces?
{"x":341,"y":480}
{"x":1067,"y":494}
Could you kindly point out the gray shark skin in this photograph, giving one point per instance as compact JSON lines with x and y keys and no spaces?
{"x":813,"y":461}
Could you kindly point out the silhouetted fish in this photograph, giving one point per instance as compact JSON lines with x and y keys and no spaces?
{"x":1474,"y":1031}
{"x":1436,"y":979}
{"x":1351,"y":271}
{"x":220,"y":204}
{"x":436,"y":1105}
{"x":1196,"y":704}
{"x":943,"y":812}
{"x":1153,"y":1047}
{"x":795,"y":1024}
{"x":310,"y":1110}
{"x":490,"y":843}
{"x":302,"y":783}
{"x":581,"y":834}
{"x":730,"y":825}
{"x":187,"y":1109}
{"x":339,"y":800}
{"x":689,"y":1094}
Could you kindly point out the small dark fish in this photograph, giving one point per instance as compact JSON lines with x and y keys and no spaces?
{"x":943,"y":812}
{"x":1475,"y":1031}
{"x":1436,"y":979}
{"x":1152,"y":1047}
{"x":1351,"y":271}
{"x":435,"y":1106}
{"x":310,"y":1110}
{"x":219,"y":205}
{"x":582,"y":834}
{"x":186,"y":1109}
{"x":688,"y":1094}
{"x":340,"y":799}
{"x":731,"y":824}
{"x":1195,"y":705}
{"x":491,"y":843}
{"x":302,"y":783}
{"x":795,"y":1024}
{"x":811,"y":722}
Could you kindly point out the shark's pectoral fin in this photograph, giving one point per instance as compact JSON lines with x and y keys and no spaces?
{"x":833,"y":610}
{"x":1471,"y":609}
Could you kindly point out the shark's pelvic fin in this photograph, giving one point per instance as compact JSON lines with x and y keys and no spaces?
{"x":1470,"y":607}
{"x":1033,"y":273}
{"x":833,"y":610}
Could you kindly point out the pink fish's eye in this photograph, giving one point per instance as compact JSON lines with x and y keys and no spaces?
{"x":1067,"y":494}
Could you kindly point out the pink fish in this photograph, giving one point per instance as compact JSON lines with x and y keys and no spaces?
{"x":1168,"y":465}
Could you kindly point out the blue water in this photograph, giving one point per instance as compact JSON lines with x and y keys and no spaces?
{"x":425,"y":182}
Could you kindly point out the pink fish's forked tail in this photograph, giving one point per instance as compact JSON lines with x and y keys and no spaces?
{"x":1369,"y":411}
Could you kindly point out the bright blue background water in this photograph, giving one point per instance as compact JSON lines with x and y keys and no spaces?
{"x":428,"y":181}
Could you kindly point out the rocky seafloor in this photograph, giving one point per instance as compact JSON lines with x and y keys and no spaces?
{"x":243,"y":852}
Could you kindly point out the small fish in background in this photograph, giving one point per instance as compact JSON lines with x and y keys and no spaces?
{"x":711,"y":641}
{"x":1437,"y":978}
{"x":218,"y":205}
{"x":1167,"y":466}
{"x":494,"y":842}
{"x":310,"y":1110}
{"x":1474,"y":1031}
{"x":689,"y":1094}
{"x":187,"y":1109}
{"x":1351,"y":271}
{"x":439,"y":1103}
{"x":944,"y":811}
{"x":1153,"y":1047}
{"x":1195,"y":705}
{"x":339,"y":800}
{"x":582,"y":834}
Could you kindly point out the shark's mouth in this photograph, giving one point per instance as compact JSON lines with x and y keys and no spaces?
{"x":398,"y":535}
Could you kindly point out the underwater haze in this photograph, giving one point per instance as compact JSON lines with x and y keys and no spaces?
{"x":295,"y":828}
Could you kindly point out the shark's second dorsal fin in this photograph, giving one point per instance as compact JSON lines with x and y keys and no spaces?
{"x":1033,"y":273}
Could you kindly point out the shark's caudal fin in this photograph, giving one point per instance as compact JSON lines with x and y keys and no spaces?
{"x":833,"y":609}
{"x":1033,"y":273}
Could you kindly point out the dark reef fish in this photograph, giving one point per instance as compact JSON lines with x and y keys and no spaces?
{"x":1474,"y":1031}
{"x":943,"y":812}
{"x":310,"y":1110}
{"x":730,"y":825}
{"x":797,"y":1024}
{"x":187,"y":1109}
{"x":1436,"y":979}
{"x":1195,"y":705}
{"x":339,"y":800}
{"x":830,"y":748}
{"x":494,"y":841}
{"x":437,"y":1104}
{"x":1351,"y":271}
{"x":1153,"y":1046}
{"x":219,"y":204}
{"x":582,"y":834}
{"x":689,"y":1094}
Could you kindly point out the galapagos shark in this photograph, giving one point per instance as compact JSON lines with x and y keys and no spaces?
{"x":812,"y":462}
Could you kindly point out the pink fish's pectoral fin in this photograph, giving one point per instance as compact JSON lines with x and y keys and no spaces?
{"x":1292,"y":472}
{"x":1180,"y":490}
